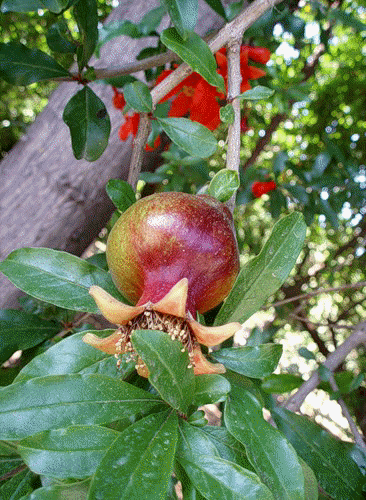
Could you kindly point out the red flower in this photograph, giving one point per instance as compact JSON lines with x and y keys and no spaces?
{"x":155,"y":145}
{"x":130,"y":126}
{"x":244,"y":125}
{"x":118,"y":99}
{"x":257,"y":54}
{"x":260,"y":188}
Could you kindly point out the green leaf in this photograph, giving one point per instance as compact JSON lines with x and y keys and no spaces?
{"x":183,"y":14}
{"x":311,"y":484}
{"x":227,"y":114}
{"x":224,"y":184}
{"x":88,"y":120}
{"x":20,"y":65}
{"x":57,"y":39}
{"x":55,"y":6}
{"x":114,"y":29}
{"x":151,"y":20}
{"x":168,"y":367}
{"x":321,"y":162}
{"x":138,"y":97}
{"x":328,"y":457}
{"x":192,"y":137}
{"x":305,"y":353}
{"x":210,"y":389}
{"x":74,"y":452}
{"x":228,"y":447}
{"x":217,"y":6}
{"x":18,"y":485}
{"x":273,"y":457}
{"x":256,"y":93}
{"x":19,"y":330}
{"x":121,"y":193}
{"x":195,"y":52}
{"x":216,"y":478}
{"x":139,"y":463}
{"x":72,"y":355}
{"x":263,"y":275}
{"x":254,"y":362}
{"x":278,"y":384}
{"x":86,"y":15}
{"x":57,"y":401}
{"x":67,"y":491}
{"x":193,"y":441}
{"x":57,"y":277}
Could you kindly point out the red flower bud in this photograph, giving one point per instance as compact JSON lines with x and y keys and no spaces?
{"x":260,"y":188}
{"x":118,"y":99}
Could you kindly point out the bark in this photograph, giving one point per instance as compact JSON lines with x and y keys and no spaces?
{"x":47,"y":197}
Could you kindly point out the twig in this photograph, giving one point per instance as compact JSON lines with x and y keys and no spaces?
{"x":332,"y":362}
{"x":138,"y":149}
{"x":306,"y":296}
{"x":315,"y":323}
{"x":356,"y":434}
{"x":229,"y":32}
{"x":233,"y":136}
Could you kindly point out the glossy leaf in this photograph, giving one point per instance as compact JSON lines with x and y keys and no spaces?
{"x":57,"y":277}
{"x":224,"y":184}
{"x":227,"y":114}
{"x":19,"y":330}
{"x":57,"y":39}
{"x":139,"y":463}
{"x":183,"y":14}
{"x":20,"y":65}
{"x":273,"y":457}
{"x":18,"y":485}
{"x":151,"y":20}
{"x":311,"y":484}
{"x":73,"y":491}
{"x":138,"y":97}
{"x":168,"y":367}
{"x":329,"y":458}
{"x":280,"y":383}
{"x":193,"y":441}
{"x":72,"y":355}
{"x":88,"y":120}
{"x":228,"y":447}
{"x":196,"y":53}
{"x":256,"y":93}
{"x":114,"y":29}
{"x":74,"y":452}
{"x":121,"y":193}
{"x":216,"y":478}
{"x":254,"y":362}
{"x":57,"y":401}
{"x":86,"y":15}
{"x":192,"y":137}
{"x":263,"y":275}
{"x":217,"y":6}
{"x":210,"y":389}
{"x":55,"y":6}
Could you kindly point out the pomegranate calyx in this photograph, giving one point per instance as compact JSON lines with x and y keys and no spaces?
{"x":175,"y":301}
{"x":202,"y":366}
{"x":112,"y":309}
{"x":107,"y":344}
{"x":212,"y":335}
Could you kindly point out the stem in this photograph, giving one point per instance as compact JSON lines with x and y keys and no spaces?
{"x":230,"y":32}
{"x":332,"y":362}
{"x":356,"y":434}
{"x":316,"y":292}
{"x":138,"y":150}
{"x":233,"y":136}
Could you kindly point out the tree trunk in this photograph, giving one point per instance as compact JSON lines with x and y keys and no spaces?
{"x":47,"y":197}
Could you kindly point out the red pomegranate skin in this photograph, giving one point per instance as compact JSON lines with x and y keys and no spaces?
{"x":169,"y":236}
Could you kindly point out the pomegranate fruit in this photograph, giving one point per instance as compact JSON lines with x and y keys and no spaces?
{"x":171,"y":254}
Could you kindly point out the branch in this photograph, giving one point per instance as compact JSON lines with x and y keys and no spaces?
{"x":230,"y":32}
{"x":332,"y":362}
{"x":356,"y":434}
{"x":138,"y":149}
{"x":233,"y":136}
{"x":305,"y":296}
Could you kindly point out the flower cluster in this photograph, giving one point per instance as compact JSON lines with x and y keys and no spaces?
{"x":196,"y":98}
{"x":260,"y":188}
